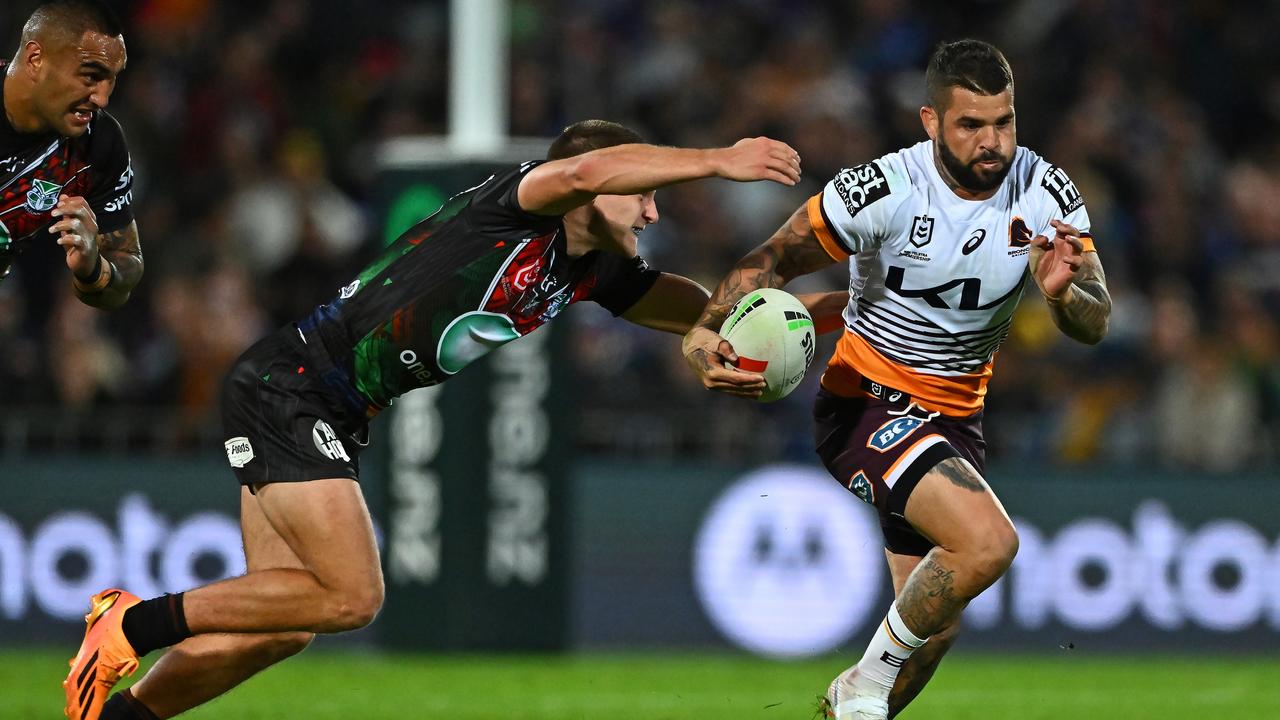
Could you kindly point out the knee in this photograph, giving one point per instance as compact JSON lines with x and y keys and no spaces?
{"x":993,"y":550}
{"x":356,"y":608}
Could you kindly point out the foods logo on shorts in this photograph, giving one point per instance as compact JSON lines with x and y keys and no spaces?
{"x":239,"y":451}
{"x":893,"y":432}
{"x":327,"y":442}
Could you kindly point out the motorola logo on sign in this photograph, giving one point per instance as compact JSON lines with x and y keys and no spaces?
{"x":787,"y":563}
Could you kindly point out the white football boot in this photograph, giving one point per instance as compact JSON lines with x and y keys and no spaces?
{"x":842,"y":701}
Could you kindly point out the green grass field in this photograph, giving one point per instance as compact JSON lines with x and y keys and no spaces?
{"x":332,"y":685}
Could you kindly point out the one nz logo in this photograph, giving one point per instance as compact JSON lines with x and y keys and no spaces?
{"x":42,"y":196}
{"x":888,"y":435}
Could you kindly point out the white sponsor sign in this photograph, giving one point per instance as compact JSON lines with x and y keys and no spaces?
{"x":788,"y":563}
{"x":145,"y":553}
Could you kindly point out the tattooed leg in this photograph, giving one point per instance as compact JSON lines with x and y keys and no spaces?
{"x":976,"y":542}
{"x":919,"y":668}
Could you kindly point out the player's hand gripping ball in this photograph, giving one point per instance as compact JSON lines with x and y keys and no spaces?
{"x":772,"y":334}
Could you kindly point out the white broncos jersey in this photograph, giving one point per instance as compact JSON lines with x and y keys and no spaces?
{"x":934,"y":279}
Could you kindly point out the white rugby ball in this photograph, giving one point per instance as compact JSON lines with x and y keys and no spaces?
{"x":772,"y":334}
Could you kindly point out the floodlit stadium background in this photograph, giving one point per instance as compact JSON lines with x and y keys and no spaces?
{"x":628,"y":508}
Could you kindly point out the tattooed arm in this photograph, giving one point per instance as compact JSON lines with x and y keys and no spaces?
{"x":793,"y":250}
{"x":1073,"y":284}
{"x":105,"y":267}
{"x":121,"y":258}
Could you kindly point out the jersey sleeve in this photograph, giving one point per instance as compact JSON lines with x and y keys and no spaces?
{"x":110,"y":193}
{"x":620,"y":282}
{"x":495,"y":207}
{"x":1061,"y":201}
{"x":854,"y":209}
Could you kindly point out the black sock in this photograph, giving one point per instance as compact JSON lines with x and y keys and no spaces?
{"x":155,"y":623}
{"x":124,"y":706}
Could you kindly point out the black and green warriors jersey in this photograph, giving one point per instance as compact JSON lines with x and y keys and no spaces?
{"x":475,"y":275}
{"x":35,"y":168}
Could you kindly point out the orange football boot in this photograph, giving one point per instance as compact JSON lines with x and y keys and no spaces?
{"x":105,"y":656}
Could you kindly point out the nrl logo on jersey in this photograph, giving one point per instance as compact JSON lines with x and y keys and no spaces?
{"x":42,"y":196}
{"x":921,"y":235}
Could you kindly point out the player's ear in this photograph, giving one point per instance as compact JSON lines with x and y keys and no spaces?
{"x":32,"y":57}
{"x":929,"y":119}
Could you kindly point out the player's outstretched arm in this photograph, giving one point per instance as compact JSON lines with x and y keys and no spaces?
{"x":559,"y":186}
{"x":1073,"y":284}
{"x":672,"y":305}
{"x":794,"y":250}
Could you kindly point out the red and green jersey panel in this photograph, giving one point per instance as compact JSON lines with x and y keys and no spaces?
{"x":475,"y":275}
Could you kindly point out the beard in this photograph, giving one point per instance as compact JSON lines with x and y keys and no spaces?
{"x":967,"y":175}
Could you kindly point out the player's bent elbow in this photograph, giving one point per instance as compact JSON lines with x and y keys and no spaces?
{"x":358,"y":608}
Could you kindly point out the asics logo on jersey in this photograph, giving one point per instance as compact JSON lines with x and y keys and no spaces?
{"x":860,"y":186}
{"x":327,"y":442}
{"x":974,"y":241}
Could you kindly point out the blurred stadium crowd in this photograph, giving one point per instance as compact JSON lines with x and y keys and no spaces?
{"x":253,"y":129}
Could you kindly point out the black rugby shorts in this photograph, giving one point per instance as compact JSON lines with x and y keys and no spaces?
{"x":280,"y":423}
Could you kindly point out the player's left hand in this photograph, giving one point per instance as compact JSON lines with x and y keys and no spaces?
{"x":759,"y":158}
{"x":1054,"y":263}
{"x":77,"y":231}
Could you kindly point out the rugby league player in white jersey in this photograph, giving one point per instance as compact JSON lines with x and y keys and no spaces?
{"x":942,"y":239}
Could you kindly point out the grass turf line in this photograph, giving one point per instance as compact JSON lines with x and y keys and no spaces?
{"x":693,"y":686}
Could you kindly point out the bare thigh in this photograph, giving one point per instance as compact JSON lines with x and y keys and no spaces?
{"x":325,"y":526}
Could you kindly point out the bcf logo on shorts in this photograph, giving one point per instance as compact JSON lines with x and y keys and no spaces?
{"x":893,"y":432}
{"x":327,"y":442}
